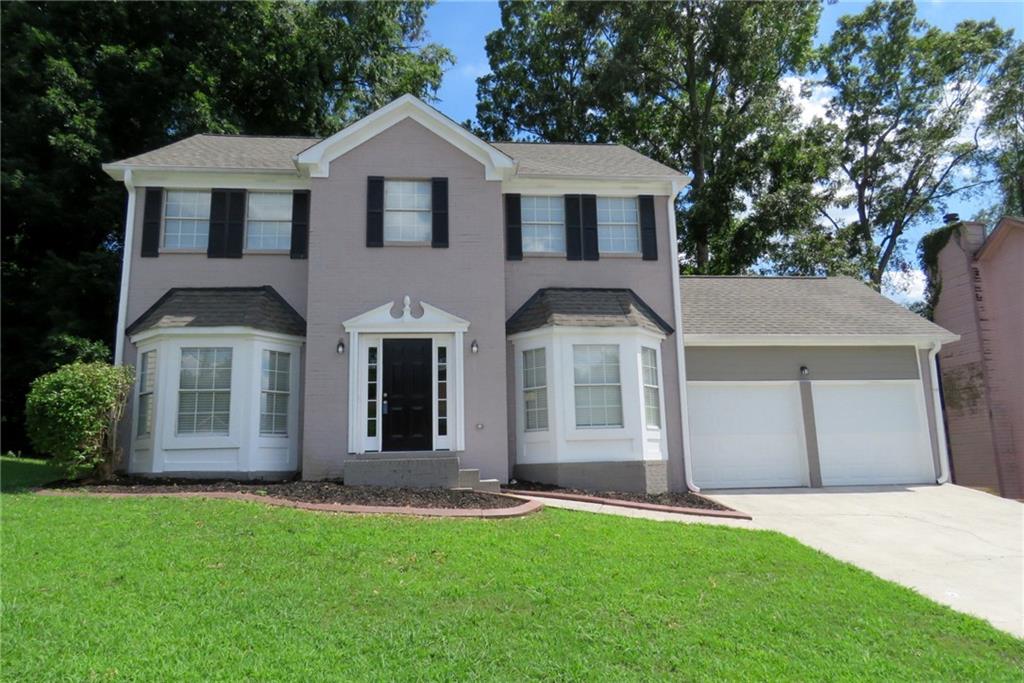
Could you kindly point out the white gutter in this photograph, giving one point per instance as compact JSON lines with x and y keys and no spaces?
{"x":940,"y":424}
{"x":680,"y":354}
{"x":126,"y":268}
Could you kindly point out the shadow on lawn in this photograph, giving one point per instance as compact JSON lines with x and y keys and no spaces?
{"x":17,"y":474}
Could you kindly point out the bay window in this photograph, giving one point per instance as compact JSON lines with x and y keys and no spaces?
{"x":275,"y":391}
{"x":204,"y":391}
{"x":535,"y":391}
{"x":597,"y":385}
{"x":652,"y":399}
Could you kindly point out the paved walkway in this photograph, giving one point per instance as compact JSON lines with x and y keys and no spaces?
{"x":959,"y":547}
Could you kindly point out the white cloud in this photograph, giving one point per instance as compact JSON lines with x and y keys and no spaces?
{"x":813,"y":104}
{"x":474,"y":70}
{"x":904,"y":287}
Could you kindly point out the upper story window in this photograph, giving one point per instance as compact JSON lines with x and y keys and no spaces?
{"x":407,"y":211}
{"x":543,"y":225}
{"x":269,"y":221}
{"x":618,"y":225}
{"x":186,"y":219}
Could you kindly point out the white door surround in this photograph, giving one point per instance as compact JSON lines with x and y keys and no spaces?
{"x":367,"y":331}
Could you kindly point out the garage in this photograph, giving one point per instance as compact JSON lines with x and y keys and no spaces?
{"x":808,"y":381}
{"x":872,"y":433}
{"x":747,"y":435}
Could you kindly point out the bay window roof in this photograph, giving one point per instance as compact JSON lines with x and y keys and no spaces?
{"x":260,"y":308}
{"x":585,"y":307}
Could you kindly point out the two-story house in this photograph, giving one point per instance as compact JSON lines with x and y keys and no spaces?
{"x":403,"y":300}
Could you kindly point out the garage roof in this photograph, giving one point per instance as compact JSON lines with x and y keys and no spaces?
{"x":744,"y":306}
{"x":585,"y":307}
{"x":260,"y":308}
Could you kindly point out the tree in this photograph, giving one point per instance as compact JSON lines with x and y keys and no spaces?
{"x":679,"y":82}
{"x":1004,"y":124}
{"x":84,"y":83}
{"x":903,"y":94}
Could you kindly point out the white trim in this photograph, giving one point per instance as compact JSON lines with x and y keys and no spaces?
{"x":158,"y":333}
{"x":684,"y":415}
{"x":606,"y":186}
{"x":317,"y":159}
{"x":205,"y":178}
{"x":940,"y":423}
{"x":818,"y":339}
{"x":126,"y":270}
{"x":379,"y":319}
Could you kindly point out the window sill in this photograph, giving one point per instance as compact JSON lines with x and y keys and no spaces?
{"x":544,"y":254}
{"x":268,"y":252}
{"x":167,"y":250}
{"x":407,"y":244}
{"x":618,"y":255}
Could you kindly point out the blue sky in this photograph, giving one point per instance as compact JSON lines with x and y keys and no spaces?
{"x":463,"y":27}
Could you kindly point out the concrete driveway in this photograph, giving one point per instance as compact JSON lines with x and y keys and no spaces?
{"x":958,"y":546}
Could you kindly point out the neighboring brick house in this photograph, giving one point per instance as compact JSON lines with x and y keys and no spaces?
{"x":405,"y":303}
{"x":980,"y":296}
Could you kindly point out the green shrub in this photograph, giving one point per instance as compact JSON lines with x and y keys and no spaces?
{"x":72,"y":413}
{"x":64,"y":349}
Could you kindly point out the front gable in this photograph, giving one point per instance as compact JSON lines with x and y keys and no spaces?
{"x":316,"y":160}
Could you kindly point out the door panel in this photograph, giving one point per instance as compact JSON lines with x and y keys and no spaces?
{"x":406,"y":396}
{"x":747,"y":435}
{"x":872,"y":433}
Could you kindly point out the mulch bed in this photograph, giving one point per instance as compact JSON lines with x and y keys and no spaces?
{"x":302,"y":491}
{"x":671,"y":499}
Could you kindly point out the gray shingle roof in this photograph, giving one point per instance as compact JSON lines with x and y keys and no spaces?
{"x":244,"y":152}
{"x":579,"y":307}
{"x":794,"y":306}
{"x":225,"y":152}
{"x":261,"y":308}
{"x":595,"y":161}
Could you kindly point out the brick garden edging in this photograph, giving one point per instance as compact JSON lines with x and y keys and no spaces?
{"x":619,"y":502}
{"x":528,"y":506}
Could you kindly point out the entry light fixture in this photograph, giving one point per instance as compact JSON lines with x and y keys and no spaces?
{"x":341,"y":347}
{"x":804,"y":370}
{"x":474,"y":347}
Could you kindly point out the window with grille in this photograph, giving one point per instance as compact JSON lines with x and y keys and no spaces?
{"x":407,"y":211}
{"x":543,"y":224}
{"x":147,"y":382}
{"x":186,"y":219}
{"x":618,"y":225}
{"x":597,"y":386}
{"x":442,"y":391}
{"x":269,"y":221}
{"x":204,"y":391}
{"x":652,"y":401}
{"x":535,"y":390}
{"x":275,"y":393}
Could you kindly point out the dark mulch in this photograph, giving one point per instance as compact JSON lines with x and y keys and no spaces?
{"x":686,"y":500}
{"x":303,"y":491}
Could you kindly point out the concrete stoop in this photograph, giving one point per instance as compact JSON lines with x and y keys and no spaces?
{"x":416,"y":473}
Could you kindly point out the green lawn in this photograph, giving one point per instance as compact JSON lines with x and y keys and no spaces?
{"x":162,"y":589}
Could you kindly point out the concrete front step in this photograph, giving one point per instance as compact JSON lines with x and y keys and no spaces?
{"x":420,"y":472}
{"x":468,"y":478}
{"x":488,"y":486}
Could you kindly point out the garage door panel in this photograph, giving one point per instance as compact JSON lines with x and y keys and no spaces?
{"x":747,"y":435}
{"x":872,"y":433}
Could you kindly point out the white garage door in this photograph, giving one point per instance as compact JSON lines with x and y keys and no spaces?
{"x":872,"y":433}
{"x":747,"y":435}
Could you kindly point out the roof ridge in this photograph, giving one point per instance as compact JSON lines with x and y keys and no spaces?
{"x":548,"y":144}
{"x":763,"y":277}
{"x":252,"y":135}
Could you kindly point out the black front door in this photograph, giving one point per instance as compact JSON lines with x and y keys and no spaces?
{"x":407,"y":398}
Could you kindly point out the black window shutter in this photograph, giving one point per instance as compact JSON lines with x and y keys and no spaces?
{"x":227,"y":224}
{"x":300,"y":224}
{"x":375,"y":211}
{"x":236,"y":224}
{"x":513,"y":228}
{"x":439,"y":208}
{"x":151,"y":216}
{"x":588,"y":212}
{"x":648,"y":233}
{"x":573,"y":227}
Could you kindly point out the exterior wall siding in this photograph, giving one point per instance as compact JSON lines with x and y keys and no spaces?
{"x":346,"y":279}
{"x":651,"y":280}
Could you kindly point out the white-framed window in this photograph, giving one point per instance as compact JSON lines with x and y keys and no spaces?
{"x":597,"y":385}
{"x":268,"y":221}
{"x":186,"y":219}
{"x":618,"y":225}
{"x":535,"y":390}
{"x":442,"y":391}
{"x":275,"y":391}
{"x":147,"y":383}
{"x":407,"y":211}
{"x":204,"y":390}
{"x":543,"y":226}
{"x":652,"y":399}
{"x":372,"y":368}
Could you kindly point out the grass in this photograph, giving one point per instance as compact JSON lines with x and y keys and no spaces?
{"x":159,"y":589}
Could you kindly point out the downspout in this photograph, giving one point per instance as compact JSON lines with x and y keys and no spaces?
{"x":126,"y":267}
{"x":680,"y":355}
{"x":940,"y":423}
